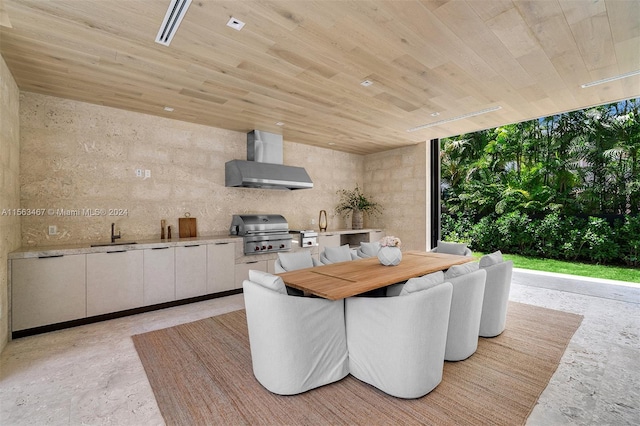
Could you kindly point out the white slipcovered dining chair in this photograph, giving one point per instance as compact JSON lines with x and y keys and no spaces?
{"x":496,"y":294}
{"x":397,"y":344}
{"x":466,"y":310}
{"x":337,"y":254}
{"x":297,"y":343}
{"x":368,"y":249}
{"x":460,"y":249}
{"x":293,"y":261}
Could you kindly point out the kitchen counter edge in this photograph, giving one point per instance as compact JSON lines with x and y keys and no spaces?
{"x":85,"y":248}
{"x":350,"y":231}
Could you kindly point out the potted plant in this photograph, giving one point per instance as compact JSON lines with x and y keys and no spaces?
{"x":357,"y":203}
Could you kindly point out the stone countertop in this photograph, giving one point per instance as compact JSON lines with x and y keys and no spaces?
{"x":85,"y":248}
{"x":350,"y":231}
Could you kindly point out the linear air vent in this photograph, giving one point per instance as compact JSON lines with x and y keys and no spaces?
{"x":449,"y":120}
{"x":610,"y":79}
{"x":173,"y":17}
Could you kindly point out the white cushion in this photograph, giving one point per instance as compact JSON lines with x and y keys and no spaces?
{"x":452,"y":248}
{"x":338,"y":254}
{"x":297,"y":260}
{"x":457,"y":270}
{"x":394,"y":289}
{"x":266,"y":280}
{"x":369,"y":249}
{"x":491,"y":259}
{"x":422,"y":283}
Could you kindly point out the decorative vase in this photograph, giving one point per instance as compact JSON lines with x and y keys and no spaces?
{"x":322,"y":220}
{"x":389,"y":256}
{"x":357,"y":219}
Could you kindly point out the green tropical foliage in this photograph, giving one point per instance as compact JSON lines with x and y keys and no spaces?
{"x":545,"y":187}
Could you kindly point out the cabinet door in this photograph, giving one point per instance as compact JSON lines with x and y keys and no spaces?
{"x":375,"y":236}
{"x":328,"y":240}
{"x":242,"y":270}
{"x":47,"y":290}
{"x":191,"y":271}
{"x":159,"y":275}
{"x":221,"y":272}
{"x":114,"y":281}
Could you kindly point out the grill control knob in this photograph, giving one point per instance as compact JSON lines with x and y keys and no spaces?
{"x":264,"y":248}
{"x":281,"y":245}
{"x":270,"y":247}
{"x":257,"y":248}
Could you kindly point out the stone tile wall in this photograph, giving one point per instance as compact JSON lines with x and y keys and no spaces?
{"x":398,"y":180}
{"x":77,"y":156}
{"x":9,"y":187}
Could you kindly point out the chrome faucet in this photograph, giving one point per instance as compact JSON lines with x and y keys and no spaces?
{"x":114,"y":237}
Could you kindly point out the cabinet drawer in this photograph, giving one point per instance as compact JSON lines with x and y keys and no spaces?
{"x":114,"y":281}
{"x":221,"y":267}
{"x":159,"y":275}
{"x":242,"y":270}
{"x":47,"y":291}
{"x":191,"y":271}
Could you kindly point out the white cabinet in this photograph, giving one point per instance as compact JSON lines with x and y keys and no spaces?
{"x":242,"y":270}
{"x":47,"y":290}
{"x":114,"y":281}
{"x":328,"y":240}
{"x":159,"y":275}
{"x":191,"y":271}
{"x":375,"y":236}
{"x":221,"y":258}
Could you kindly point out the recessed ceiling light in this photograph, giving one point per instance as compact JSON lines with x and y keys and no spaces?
{"x":610,"y":79}
{"x":460,"y":117}
{"x":234,"y":23}
{"x":168,"y":109}
{"x":366,"y":83}
{"x":435,"y":114}
{"x":332,"y":143}
{"x":279,"y":123}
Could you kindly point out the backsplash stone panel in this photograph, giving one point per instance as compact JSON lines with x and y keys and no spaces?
{"x":75,"y":156}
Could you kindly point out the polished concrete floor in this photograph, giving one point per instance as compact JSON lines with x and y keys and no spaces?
{"x":92,"y":375}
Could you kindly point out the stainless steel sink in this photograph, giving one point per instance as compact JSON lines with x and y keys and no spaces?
{"x":119,"y":243}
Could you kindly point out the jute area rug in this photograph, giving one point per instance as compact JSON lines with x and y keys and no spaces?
{"x":201,"y":374}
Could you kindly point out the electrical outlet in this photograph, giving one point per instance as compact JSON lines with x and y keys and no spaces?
{"x":138,"y":172}
{"x":147,"y":174}
{"x":53,"y":230}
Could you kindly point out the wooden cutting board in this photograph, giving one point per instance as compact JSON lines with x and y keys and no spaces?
{"x":187,"y":227}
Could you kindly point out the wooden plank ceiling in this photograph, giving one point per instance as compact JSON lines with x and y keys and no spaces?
{"x":301,"y":62}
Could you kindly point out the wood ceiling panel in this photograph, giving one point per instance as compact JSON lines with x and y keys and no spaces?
{"x":301,"y":62}
{"x":594,"y":40}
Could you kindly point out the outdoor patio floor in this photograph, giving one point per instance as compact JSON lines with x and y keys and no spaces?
{"x":92,"y":374}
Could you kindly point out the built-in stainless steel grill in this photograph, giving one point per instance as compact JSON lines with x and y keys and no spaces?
{"x":262,"y":233}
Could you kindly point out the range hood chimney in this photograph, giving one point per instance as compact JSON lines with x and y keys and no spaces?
{"x":263,"y":167}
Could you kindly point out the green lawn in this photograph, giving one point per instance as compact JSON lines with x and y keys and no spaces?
{"x":582,"y":269}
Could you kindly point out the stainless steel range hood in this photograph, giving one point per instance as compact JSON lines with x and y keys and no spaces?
{"x":263,"y":167}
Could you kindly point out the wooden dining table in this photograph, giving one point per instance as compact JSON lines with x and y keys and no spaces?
{"x":345,"y":279}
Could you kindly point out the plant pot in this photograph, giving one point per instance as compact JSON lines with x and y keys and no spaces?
{"x":357,"y":219}
{"x":389,"y":256}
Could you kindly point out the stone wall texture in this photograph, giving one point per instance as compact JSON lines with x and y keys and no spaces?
{"x":9,"y":187}
{"x":77,"y":156}
{"x":398,"y":181}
